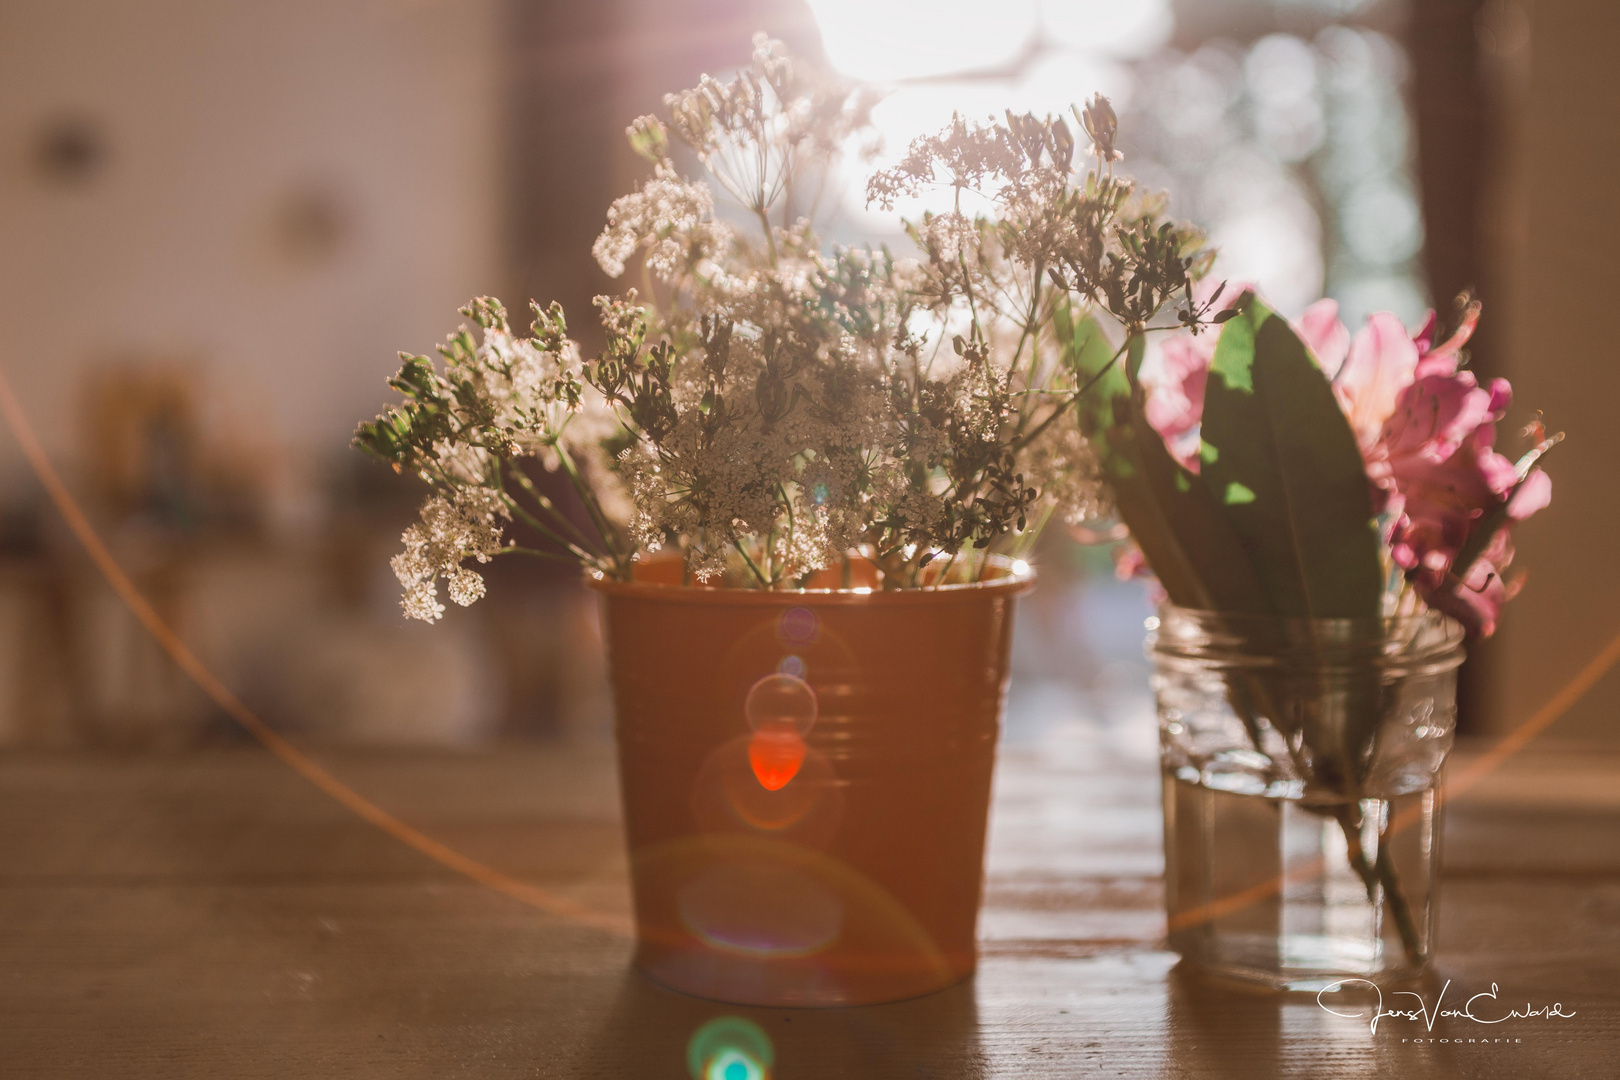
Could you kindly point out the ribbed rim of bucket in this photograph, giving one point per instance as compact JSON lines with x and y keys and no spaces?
{"x":1010,"y":582}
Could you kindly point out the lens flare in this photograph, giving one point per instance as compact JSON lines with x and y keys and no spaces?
{"x":730,"y":1048}
{"x":798,"y":625}
{"x":729,"y":795}
{"x":775,"y":754}
{"x":764,"y":909}
{"x":781,"y":708}
{"x":792,"y":665}
{"x":781,"y":701}
{"x":733,"y":1065}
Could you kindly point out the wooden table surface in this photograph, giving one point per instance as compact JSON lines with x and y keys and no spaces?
{"x":212,"y":915}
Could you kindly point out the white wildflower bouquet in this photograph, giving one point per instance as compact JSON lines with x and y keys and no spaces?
{"x":772,"y":406}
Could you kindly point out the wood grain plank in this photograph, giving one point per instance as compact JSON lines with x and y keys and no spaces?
{"x":210,"y":915}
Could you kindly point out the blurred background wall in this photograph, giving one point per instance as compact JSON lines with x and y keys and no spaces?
{"x":1553,"y":238}
{"x":220,"y":220}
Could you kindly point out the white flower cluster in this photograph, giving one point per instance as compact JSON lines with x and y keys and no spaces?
{"x":518,"y":385}
{"x":465,"y":526}
{"x":502,"y":398}
{"x":778,"y":404}
{"x":949,"y":236}
{"x":671,"y":218}
{"x":806,"y":480}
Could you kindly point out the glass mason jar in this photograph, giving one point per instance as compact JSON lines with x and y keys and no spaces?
{"x":1301,"y":762}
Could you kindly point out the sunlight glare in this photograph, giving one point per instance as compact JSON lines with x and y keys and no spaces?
{"x":892,"y":40}
{"x":1127,"y":29}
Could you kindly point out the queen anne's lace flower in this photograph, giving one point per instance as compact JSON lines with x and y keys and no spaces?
{"x":947,"y":236}
{"x":786,"y":403}
{"x":465,"y":526}
{"x":671,"y":217}
{"x":465,"y":586}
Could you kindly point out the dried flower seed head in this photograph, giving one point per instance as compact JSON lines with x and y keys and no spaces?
{"x":1103,"y":126}
{"x":776,"y":403}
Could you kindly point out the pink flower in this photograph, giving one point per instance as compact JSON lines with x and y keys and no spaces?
{"x":1443,"y":468}
{"x":1443,"y":359}
{"x":1380,"y":366}
{"x":1319,"y":327}
{"x":1374,"y":372}
{"x":1475,"y":594}
{"x":1476,"y":598}
{"x":1175,"y":400}
{"x":1369,"y":373}
{"x":1131,"y":565}
{"x":1437,"y":450}
{"x":1533,"y":493}
{"x":1427,"y":434}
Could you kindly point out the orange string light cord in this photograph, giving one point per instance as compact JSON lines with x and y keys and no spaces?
{"x":222,"y":696}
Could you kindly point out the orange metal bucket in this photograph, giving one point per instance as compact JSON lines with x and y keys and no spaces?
{"x":806,"y":780}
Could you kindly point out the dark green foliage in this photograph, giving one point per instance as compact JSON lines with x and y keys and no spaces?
{"x":1287,"y":472}
{"x":1182,"y":532}
{"x":1279,"y":519}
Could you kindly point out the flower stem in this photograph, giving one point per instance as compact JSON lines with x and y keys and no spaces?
{"x":1399,"y":909}
{"x":1254,"y":701}
{"x":1380,"y":874}
{"x":764,"y":584}
{"x":620,"y":561}
{"x":517,"y":475}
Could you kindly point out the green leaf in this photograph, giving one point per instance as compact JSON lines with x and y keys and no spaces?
{"x":1237,"y":494}
{"x":1287,"y":471}
{"x":1179,"y":527}
{"x":1187,"y":519}
{"x":1295,"y":490}
{"x":1087,"y":352}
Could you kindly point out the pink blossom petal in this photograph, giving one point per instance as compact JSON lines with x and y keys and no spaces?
{"x":1434,"y":416}
{"x":1499,"y":474}
{"x":1501,"y":396}
{"x":1476,"y":601}
{"x":1319,"y":327}
{"x":1129,"y":563}
{"x":1474,"y":595}
{"x":1435,"y":365}
{"x":1444,"y":358}
{"x":1175,"y":400}
{"x":1378,"y":368}
{"x":1533,"y":493}
{"x":1423,"y":336}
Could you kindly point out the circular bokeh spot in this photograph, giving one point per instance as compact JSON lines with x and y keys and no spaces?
{"x":798,"y":625}
{"x":779,"y":701}
{"x":729,"y":1048}
{"x":734,"y":1065}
